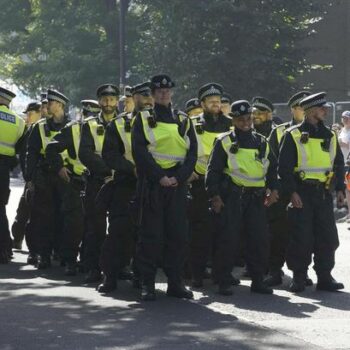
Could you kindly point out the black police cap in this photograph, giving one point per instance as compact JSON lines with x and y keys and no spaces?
{"x":107,"y":90}
{"x":54,"y":95}
{"x":7,"y":94}
{"x":226,"y":98}
{"x":192,"y":104}
{"x":314,"y":100}
{"x":142,"y":89}
{"x":296,"y":98}
{"x":262,"y":104}
{"x":91,"y":106}
{"x":210,"y":89}
{"x":240,"y":107}
{"x":161,"y":81}
{"x":33,"y":106}
{"x":127,"y":91}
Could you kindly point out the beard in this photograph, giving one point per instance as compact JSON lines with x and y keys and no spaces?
{"x":109,"y":109}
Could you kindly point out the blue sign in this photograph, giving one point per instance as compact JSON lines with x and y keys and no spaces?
{"x":7,"y":118}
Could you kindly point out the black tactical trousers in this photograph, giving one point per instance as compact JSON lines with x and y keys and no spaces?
{"x":163,"y":234}
{"x":313,"y":230}
{"x":57,"y":209}
{"x":202,"y":229}
{"x":279,"y":233}
{"x":118,"y":247}
{"x":5,"y":238}
{"x":95,"y":230}
{"x":22,"y":216}
{"x":243,"y":212}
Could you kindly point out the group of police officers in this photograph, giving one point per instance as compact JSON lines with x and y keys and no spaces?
{"x":219,"y":185}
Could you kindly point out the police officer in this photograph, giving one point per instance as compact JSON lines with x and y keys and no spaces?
{"x":165,"y":152}
{"x":11,"y":139}
{"x":90,"y":154}
{"x":193,"y":107}
{"x":208,"y":126}
{"x":118,"y":247}
{"x":310,"y":159}
{"x":33,"y":112}
{"x":277,"y":213}
{"x":240,"y":168}
{"x":128,"y":100}
{"x":226,"y":101}
{"x":262,"y":115}
{"x":48,"y":189}
{"x":90,"y":108}
{"x":71,"y":171}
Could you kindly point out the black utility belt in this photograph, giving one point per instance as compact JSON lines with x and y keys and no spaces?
{"x":257,"y":191}
{"x":313,"y":184}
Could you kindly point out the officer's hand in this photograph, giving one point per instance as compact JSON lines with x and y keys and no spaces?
{"x":173,"y":181}
{"x":217,"y":204}
{"x":64,"y":174}
{"x":271,"y":197}
{"x":340,"y":199}
{"x":194,"y":176}
{"x":296,"y":200}
{"x":165,"y":181}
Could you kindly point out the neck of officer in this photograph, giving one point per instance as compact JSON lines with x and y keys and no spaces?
{"x":108,"y":117}
{"x":58,"y":118}
{"x":311,"y":120}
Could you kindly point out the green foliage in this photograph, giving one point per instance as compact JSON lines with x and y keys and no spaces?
{"x":250,"y":46}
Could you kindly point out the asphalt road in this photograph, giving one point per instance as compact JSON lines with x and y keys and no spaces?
{"x":46,"y":310}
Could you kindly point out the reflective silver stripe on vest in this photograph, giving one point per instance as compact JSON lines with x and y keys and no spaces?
{"x":6,"y":144}
{"x":167,"y":157}
{"x":150,"y":133}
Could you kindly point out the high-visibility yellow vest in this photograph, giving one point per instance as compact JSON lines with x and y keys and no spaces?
{"x":205,"y":142}
{"x":125,"y":135}
{"x":280,"y":129}
{"x":98,"y":133}
{"x":11,"y":129}
{"x":245,"y":168}
{"x":313,"y":162}
{"x":166,"y":145}
{"x":78,"y":167}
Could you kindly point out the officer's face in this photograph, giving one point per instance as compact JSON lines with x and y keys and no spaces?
{"x":44,"y":111}
{"x":243,"y":122}
{"x":55,"y":108}
{"x":261,"y":117}
{"x":129,"y":105}
{"x":33,"y":117}
{"x":143,"y":102}
{"x":108,"y":104}
{"x":195,"y":111}
{"x":162,"y":96}
{"x":212,"y":104}
{"x":225,"y":108}
{"x":298,"y":114}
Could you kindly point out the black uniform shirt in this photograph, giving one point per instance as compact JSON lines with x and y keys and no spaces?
{"x":217,"y":124}
{"x":265,"y":128}
{"x":287,"y":160}
{"x":145,"y":163}
{"x":35,"y":145}
{"x":218,"y":162}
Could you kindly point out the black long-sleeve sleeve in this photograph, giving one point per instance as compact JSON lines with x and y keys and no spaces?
{"x":187,"y":168}
{"x":271,"y":175}
{"x":144,"y":161}
{"x":21,"y":150}
{"x":113,"y":152}
{"x":87,"y":155}
{"x":216,"y":165}
{"x":61,"y":142}
{"x":273,"y":142}
{"x":339,"y":169}
{"x":287,"y":161}
{"x":33,"y":155}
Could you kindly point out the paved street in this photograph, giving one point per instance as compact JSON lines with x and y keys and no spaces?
{"x":46,"y":310}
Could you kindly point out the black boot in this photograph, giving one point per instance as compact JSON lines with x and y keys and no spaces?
{"x":125,"y":274}
{"x":70,"y":269}
{"x":108,"y":285}
{"x":93,"y":276}
{"x":17,"y":244}
{"x":274,"y":278}
{"x":328,"y":284}
{"x":235,"y":281}
{"x":298,"y":282}
{"x":225,"y":289}
{"x":258,"y":286}
{"x":197,"y":283}
{"x":148,"y":292}
{"x":178,"y":291}
{"x":43,"y":262}
{"x":32,"y":259}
